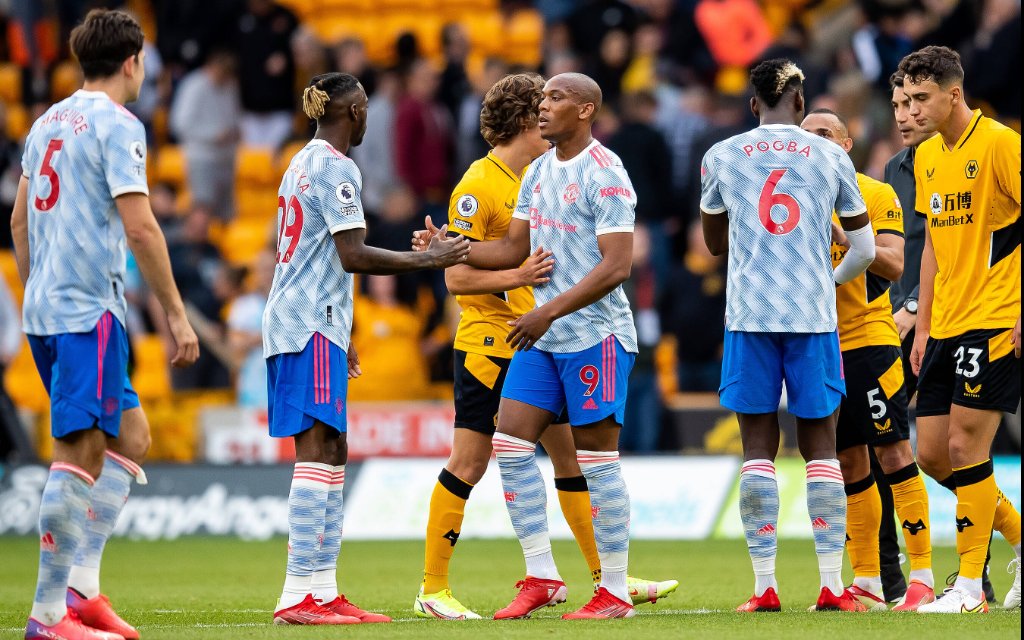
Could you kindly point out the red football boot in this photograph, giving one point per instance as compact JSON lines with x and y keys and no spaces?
{"x":534,"y":594}
{"x":98,"y":614}
{"x":342,"y":606}
{"x":917,"y":594}
{"x":602,"y":607}
{"x":309,"y":612}
{"x":767,"y":601}
{"x":828,"y":601}
{"x":68,"y":628}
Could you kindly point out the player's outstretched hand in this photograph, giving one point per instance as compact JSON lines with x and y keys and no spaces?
{"x":354,"y":370}
{"x":528,"y":329}
{"x":917,"y":351}
{"x":1015,"y":338}
{"x":447,"y":251}
{"x":534,"y":272}
{"x":184,"y":339}
{"x":421,"y":238}
{"x":839,"y":236}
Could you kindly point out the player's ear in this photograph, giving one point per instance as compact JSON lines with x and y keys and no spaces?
{"x":755,"y":108}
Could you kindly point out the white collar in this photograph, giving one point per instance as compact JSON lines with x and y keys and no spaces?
{"x":561,"y":164}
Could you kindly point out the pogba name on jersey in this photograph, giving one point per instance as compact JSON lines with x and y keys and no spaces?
{"x":781,"y":146}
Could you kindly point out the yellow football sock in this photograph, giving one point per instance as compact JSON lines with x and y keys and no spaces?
{"x":863,"y":519}
{"x":1007,"y":520}
{"x":976,"y":495}
{"x":447,"y":507}
{"x":911,"y":500}
{"x":574,"y":498}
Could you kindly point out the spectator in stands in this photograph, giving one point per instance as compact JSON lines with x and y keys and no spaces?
{"x":197,"y":265}
{"x":10,"y":175}
{"x":682,"y":119}
{"x":310,"y":55}
{"x":188,"y":29}
{"x":642,"y":426}
{"x":266,"y":73}
{"x":694,"y":312}
{"x":469,"y":144}
{"x":245,"y":337}
{"x":14,"y":442}
{"x":423,"y":142}
{"x":387,"y":335}
{"x":610,"y":64}
{"x":204,"y":118}
{"x":454,"y":83}
{"x":150,"y":93}
{"x":376,"y":155}
{"x":994,"y":58}
{"x":350,"y":57}
{"x":593,"y":19}
{"x":729,"y":116}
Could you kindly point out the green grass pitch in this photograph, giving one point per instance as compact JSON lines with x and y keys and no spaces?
{"x":224,"y":589}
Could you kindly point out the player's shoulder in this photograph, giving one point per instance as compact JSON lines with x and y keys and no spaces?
{"x":322,"y":157}
{"x":879,"y":196}
{"x":1002,"y":136}
{"x":478,"y":178}
{"x":869,"y":184}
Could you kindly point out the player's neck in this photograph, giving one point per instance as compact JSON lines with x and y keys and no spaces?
{"x":955,"y":125}
{"x":336,"y":136}
{"x":778,"y":117}
{"x":574,"y":146}
{"x":113,"y":87}
{"x":515,"y":156}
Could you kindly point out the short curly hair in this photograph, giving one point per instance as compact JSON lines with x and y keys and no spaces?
{"x":940,"y":64}
{"x":510,"y":107}
{"x":772,"y":79}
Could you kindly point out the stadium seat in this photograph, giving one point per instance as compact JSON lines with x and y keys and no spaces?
{"x":23,"y":383}
{"x":152,"y":376}
{"x":425,"y":26}
{"x":350,"y":8}
{"x":170,"y":166}
{"x":67,"y":79}
{"x":524,"y":33}
{"x":244,"y":239}
{"x":10,"y":83}
{"x":285,"y":155}
{"x":485,"y":32}
{"x":256,"y":204}
{"x":160,"y":126}
{"x":255,"y":168}
{"x":17,"y":121}
{"x":9,"y":269}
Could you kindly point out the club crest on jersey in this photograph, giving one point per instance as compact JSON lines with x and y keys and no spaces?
{"x":971,"y":170}
{"x":467,"y":205}
{"x":936,"y":204}
{"x":571,"y":193}
{"x":137,"y":150}
{"x":346,"y":193}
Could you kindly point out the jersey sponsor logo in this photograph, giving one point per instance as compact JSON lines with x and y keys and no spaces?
{"x":537,"y":221}
{"x":137,"y":150}
{"x":608,"y":192}
{"x":971,"y":170}
{"x":489,"y":341}
{"x":791,"y":146}
{"x":571,"y":193}
{"x":511,"y":204}
{"x":952,"y":221}
{"x":884,"y":428}
{"x":346,"y":193}
{"x":929,"y":173}
{"x":972,"y":392}
{"x":462,"y":224}
{"x":467,"y":205}
{"x":896,"y":201}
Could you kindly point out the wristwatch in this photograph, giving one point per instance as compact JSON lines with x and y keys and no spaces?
{"x":911,"y":305}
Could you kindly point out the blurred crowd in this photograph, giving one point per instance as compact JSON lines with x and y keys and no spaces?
{"x":223,"y":77}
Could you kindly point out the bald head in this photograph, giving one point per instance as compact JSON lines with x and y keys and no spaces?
{"x":579,"y":87}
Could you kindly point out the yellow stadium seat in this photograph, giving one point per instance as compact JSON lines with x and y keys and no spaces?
{"x":332,"y":28}
{"x":354,"y":8}
{"x":23,"y":383}
{"x":10,"y":83}
{"x":160,"y":126}
{"x":485,"y":32}
{"x":17,"y":121}
{"x":152,"y":375}
{"x":303,"y":9}
{"x":67,"y":78}
{"x":9,"y":269}
{"x":244,"y":239}
{"x":524,"y":33}
{"x":170,"y":166}
{"x":256,"y":204}
{"x":255,"y":168}
{"x":285,"y":155}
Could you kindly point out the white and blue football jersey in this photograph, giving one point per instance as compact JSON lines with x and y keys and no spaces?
{"x":779,"y":186}
{"x":311,"y":293}
{"x":569,"y":204}
{"x":79,"y":156}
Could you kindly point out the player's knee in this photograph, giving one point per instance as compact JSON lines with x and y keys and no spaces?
{"x":854,"y":464}
{"x":466,"y":468}
{"x":894,"y":456}
{"x":934,"y":466}
{"x":963,"y":450}
{"x":134,"y":445}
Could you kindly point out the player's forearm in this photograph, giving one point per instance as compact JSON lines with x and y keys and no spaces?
{"x":498,"y":254}
{"x":463,"y":280}
{"x":605,"y":277}
{"x":888,"y":263}
{"x":381,"y":262}
{"x":716,"y":232}
{"x":148,"y":246}
{"x":19,"y":229}
{"x":859,"y":257}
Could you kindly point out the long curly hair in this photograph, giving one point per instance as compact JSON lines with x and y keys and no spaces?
{"x":510,"y":107}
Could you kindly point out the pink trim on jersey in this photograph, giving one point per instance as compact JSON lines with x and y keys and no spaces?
{"x":327,"y":369}
{"x":330,"y":147}
{"x":601,"y":156}
{"x":70,"y":468}
{"x":321,"y":369}
{"x":608,"y":356}
{"x":129,"y":466}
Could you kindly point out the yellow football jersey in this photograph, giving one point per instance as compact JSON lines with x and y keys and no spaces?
{"x":970,"y":196}
{"x":864,"y":309}
{"x":481,"y":208}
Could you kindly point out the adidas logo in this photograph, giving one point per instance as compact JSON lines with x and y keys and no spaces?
{"x":510,"y":496}
{"x":820,"y":524}
{"x":47,"y":543}
{"x":590,"y":404}
{"x":766,"y":530}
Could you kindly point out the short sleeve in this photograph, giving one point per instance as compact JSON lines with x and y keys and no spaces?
{"x":613,"y":200}
{"x":468,"y":211}
{"x":526,"y":190}
{"x":124,"y":156}
{"x":1007,"y":161}
{"x":711,"y":201}
{"x":885,"y":210}
{"x":849,"y":202}
{"x":339,"y":186}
